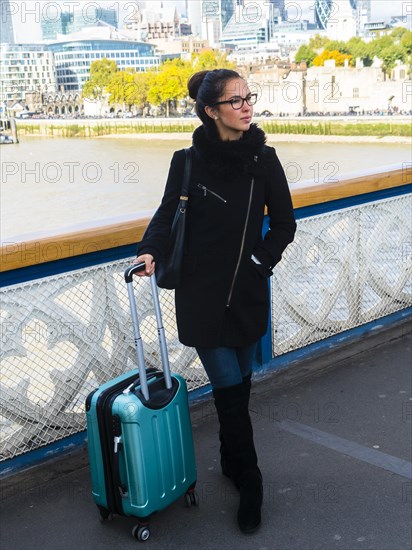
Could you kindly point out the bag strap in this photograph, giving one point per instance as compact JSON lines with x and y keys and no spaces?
{"x":184,"y":193}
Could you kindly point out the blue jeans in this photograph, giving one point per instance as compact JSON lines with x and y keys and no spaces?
{"x":227,"y":366}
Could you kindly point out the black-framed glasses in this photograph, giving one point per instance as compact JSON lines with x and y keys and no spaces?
{"x":238,"y":102}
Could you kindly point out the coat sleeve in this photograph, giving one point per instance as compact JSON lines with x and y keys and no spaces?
{"x":156,"y":237}
{"x":282,"y":224}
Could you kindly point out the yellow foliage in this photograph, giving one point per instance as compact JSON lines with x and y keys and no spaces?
{"x":211,"y":59}
{"x":339,"y":58}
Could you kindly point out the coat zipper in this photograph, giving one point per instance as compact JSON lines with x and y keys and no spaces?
{"x":206,"y":190}
{"x":242,"y":244}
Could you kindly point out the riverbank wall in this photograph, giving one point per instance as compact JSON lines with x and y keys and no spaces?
{"x":322,"y":127}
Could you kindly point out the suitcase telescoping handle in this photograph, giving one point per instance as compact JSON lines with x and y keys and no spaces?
{"x":128,"y":275}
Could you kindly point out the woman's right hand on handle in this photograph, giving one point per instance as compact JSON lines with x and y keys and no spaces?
{"x":150,"y":265}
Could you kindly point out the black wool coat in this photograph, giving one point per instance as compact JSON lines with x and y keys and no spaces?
{"x":223,"y":299}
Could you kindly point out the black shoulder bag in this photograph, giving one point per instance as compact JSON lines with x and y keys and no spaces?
{"x":169,"y":268}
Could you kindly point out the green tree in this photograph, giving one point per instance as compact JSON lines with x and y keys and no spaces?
{"x":358,"y":48}
{"x":379,"y":44}
{"x":318,"y":42}
{"x":101,"y":72}
{"x":406,"y":42}
{"x":390,"y":56}
{"x":398,"y":33}
{"x":338,"y":45}
{"x":305,"y":53}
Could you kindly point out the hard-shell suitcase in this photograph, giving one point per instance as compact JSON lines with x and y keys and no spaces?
{"x":139,"y":435}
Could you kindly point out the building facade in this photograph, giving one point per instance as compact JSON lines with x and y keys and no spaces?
{"x":153,"y":23}
{"x":180,"y":47}
{"x":25,"y":68}
{"x":249,"y":25}
{"x":279,"y":89}
{"x":375,"y":29}
{"x":62,"y":104}
{"x":73,"y":59}
{"x":331,"y":89}
{"x":292,"y":89}
{"x":260,"y":22}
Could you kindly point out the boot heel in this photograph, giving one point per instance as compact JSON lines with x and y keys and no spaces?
{"x":251,"y":498}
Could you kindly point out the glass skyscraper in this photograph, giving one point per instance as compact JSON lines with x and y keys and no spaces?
{"x":227,"y":9}
{"x":280,"y":5}
{"x":324,"y":9}
{"x":6,"y":23}
{"x":68,"y":22}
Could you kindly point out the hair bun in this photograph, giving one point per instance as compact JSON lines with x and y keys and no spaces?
{"x":195,"y":82}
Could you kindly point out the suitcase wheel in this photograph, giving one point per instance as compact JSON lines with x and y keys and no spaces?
{"x":191,"y":498}
{"x":104,"y":514}
{"x":141,"y":532}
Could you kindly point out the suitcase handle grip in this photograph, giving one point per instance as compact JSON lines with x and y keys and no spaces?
{"x":130,"y":271}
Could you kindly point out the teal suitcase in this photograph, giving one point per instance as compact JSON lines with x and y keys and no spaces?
{"x":139,"y":433}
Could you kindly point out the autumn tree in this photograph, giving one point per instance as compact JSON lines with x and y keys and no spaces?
{"x":339,"y":58}
{"x":141,"y":89}
{"x":211,"y":59}
{"x":169,"y":83}
{"x":121,"y":88}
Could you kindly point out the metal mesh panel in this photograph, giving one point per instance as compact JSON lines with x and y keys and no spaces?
{"x":65,"y":335}
{"x":344,"y":269}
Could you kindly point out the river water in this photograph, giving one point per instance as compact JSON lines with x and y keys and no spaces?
{"x":53,"y":185}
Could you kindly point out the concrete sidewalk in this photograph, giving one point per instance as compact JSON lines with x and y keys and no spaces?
{"x":334,"y":449}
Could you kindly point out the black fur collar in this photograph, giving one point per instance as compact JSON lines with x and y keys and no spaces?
{"x":228,"y":158}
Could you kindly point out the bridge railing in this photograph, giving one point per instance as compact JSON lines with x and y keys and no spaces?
{"x":65,"y":323}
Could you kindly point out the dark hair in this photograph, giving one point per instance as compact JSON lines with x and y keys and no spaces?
{"x":206,"y":87}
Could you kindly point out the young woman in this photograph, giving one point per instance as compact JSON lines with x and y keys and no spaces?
{"x":222,"y":304}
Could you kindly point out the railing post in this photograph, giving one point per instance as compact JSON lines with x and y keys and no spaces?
{"x":264,"y":351}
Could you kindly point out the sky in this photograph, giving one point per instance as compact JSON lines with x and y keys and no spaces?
{"x":27,"y":13}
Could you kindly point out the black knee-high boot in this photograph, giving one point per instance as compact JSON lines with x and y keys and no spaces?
{"x":237,"y":433}
{"x":247,"y":385}
{"x":225,"y":460}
